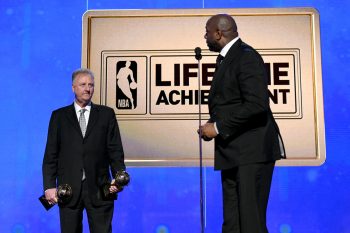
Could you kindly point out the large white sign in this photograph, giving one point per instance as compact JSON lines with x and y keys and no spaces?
{"x":146,"y":71}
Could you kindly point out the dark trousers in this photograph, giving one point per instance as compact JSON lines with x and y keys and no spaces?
{"x":245,"y":195}
{"x":99,"y":217}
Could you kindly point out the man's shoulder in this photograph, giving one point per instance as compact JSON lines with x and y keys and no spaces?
{"x":103,"y":108}
{"x":98,"y":107}
{"x":61,"y":112}
{"x":241,"y":49}
{"x":246,"y":47}
{"x":248,"y":52}
{"x":63,"y":109}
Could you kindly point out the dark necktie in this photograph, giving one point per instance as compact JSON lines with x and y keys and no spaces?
{"x":218,"y":61}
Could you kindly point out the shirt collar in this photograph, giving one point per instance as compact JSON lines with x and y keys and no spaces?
{"x":77,"y":107}
{"x":227,"y":47}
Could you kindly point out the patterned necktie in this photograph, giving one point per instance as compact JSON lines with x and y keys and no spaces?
{"x":82,"y":121}
{"x":218,"y":61}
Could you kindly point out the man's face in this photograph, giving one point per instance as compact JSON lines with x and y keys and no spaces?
{"x":83,"y":88}
{"x":210,"y":36}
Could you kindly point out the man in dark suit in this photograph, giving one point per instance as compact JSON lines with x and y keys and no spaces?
{"x":247,"y":140}
{"x":83,"y":147}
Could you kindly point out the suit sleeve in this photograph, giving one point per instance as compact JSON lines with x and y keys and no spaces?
{"x":252,"y":79}
{"x":49,"y":167}
{"x":114,"y":145}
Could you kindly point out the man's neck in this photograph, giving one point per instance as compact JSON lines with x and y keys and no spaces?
{"x":82,"y":105}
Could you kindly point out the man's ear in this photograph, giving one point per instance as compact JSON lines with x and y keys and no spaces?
{"x":218,"y":35}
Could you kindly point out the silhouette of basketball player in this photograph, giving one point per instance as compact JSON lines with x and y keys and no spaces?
{"x":123,"y":82}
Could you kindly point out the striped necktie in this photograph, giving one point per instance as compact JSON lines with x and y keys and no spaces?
{"x":82,"y":121}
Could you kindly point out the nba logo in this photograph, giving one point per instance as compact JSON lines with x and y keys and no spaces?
{"x":126,"y":85}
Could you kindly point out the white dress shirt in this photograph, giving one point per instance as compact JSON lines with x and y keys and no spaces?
{"x":86,"y":113}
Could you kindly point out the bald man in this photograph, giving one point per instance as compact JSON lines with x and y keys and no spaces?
{"x":247,"y":138}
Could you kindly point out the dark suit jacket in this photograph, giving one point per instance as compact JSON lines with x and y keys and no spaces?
{"x":239,"y":104}
{"x":67,"y":153}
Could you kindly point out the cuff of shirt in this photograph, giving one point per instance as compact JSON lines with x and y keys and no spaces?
{"x":216,"y":128}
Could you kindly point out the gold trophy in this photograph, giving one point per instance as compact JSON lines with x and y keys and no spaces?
{"x":122,"y":179}
{"x":64,"y":195}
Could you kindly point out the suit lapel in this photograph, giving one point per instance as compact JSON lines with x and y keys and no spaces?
{"x":231,"y":55}
{"x":72,"y":118}
{"x":92,"y":119}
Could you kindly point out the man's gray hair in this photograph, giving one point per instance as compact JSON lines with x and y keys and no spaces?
{"x":82,"y":71}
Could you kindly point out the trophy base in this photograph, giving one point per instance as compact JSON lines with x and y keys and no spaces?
{"x":45,"y":203}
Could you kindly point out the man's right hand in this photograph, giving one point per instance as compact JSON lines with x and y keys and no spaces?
{"x":51,"y":196}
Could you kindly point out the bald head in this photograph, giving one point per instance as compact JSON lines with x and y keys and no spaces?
{"x":220,"y":30}
{"x":224,"y":23}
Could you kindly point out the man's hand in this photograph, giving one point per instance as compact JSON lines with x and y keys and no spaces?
{"x":207,"y":131}
{"x":113,"y":188}
{"x":51,"y":196}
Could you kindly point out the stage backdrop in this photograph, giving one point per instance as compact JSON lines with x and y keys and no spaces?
{"x":146,"y":71}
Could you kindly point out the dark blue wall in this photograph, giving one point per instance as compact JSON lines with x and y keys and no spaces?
{"x":41,"y":45}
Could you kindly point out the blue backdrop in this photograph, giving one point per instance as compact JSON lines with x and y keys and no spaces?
{"x":40,"y":45}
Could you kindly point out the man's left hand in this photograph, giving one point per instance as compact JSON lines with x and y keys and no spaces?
{"x":208,"y":131}
{"x":113,"y":188}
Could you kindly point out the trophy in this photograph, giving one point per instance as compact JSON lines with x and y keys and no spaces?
{"x":64,"y":195}
{"x":121,"y":180}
